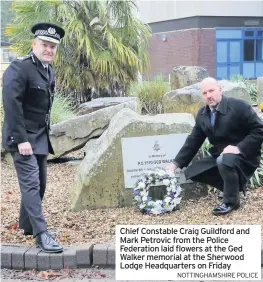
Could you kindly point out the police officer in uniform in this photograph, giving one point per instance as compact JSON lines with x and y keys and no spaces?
{"x":28,"y":87}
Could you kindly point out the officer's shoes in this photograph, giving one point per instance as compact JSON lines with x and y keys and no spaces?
{"x":225,"y":208}
{"x":47,"y":244}
{"x":28,"y":233}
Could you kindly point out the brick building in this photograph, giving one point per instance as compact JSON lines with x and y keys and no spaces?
{"x":226,"y":37}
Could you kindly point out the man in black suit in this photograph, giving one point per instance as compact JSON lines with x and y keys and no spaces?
{"x":28,"y":87}
{"x":236,"y":134}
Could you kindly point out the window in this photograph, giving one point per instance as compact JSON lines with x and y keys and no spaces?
{"x":228,"y":34}
{"x":253,"y":50}
{"x":260,"y":33}
{"x":249,"y":33}
{"x":249,"y":50}
{"x":259,"y":50}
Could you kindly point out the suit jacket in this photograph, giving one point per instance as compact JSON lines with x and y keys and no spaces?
{"x":236,"y":124}
{"x":27,"y":100}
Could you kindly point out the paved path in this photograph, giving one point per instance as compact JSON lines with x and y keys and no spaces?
{"x":110,"y":277}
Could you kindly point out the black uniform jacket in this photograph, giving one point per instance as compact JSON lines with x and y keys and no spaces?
{"x":236,"y":124}
{"x":27,"y":100}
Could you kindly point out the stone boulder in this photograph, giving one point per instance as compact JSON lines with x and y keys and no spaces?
{"x":184,"y":100}
{"x":260,"y":88}
{"x":189,"y":99}
{"x":235,"y":89}
{"x":100,"y":103}
{"x":88,"y":147}
{"x":183,"y":76}
{"x":73,"y":134}
{"x":99,"y":182}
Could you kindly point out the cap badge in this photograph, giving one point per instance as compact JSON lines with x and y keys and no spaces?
{"x":51,"y":30}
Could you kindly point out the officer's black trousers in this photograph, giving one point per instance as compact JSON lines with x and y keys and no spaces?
{"x":231,"y":182}
{"x":224,"y":178}
{"x":32,"y":174}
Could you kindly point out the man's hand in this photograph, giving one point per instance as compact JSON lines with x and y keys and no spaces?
{"x":231,"y":150}
{"x":25,"y":149}
{"x":171,"y":167}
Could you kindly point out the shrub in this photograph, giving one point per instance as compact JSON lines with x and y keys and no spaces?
{"x":257,"y":179}
{"x":150,"y":94}
{"x":252,"y":90}
{"x":237,"y":78}
{"x":205,"y":148}
{"x":250,"y":87}
{"x":62,"y":108}
{"x":183,"y":107}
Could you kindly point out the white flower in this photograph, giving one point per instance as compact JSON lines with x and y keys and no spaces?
{"x":178,"y":191}
{"x":167,"y":199}
{"x":170,"y":207}
{"x":150,"y":179}
{"x":137,"y":198}
{"x":166,"y":182}
{"x":155,"y":211}
{"x":170,"y":173}
{"x":159,"y":202}
{"x":144,"y":193}
{"x":141,"y":206}
{"x":141,"y":185}
{"x":173,"y":188}
{"x":174,"y":180}
{"x":168,"y":189}
{"x":161,"y":172}
{"x":144,"y":198}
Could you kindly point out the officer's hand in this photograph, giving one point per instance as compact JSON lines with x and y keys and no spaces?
{"x":171,"y":167}
{"x":231,"y":150}
{"x":25,"y":149}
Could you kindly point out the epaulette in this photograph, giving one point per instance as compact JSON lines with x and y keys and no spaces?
{"x":23,"y":58}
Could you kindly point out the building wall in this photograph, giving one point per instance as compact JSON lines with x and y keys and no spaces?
{"x":157,"y":11}
{"x":190,"y":30}
{"x":206,"y":22}
{"x":207,"y":50}
{"x":192,"y":47}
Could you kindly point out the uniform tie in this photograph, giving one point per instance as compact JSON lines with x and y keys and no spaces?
{"x":46,"y":69}
{"x":213,"y":116}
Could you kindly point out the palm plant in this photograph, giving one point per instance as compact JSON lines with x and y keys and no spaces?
{"x":5,"y":18}
{"x":105,"y":43}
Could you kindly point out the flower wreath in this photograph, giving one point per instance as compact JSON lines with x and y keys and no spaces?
{"x":171,"y":200}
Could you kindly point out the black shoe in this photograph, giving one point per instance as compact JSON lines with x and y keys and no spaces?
{"x":28,"y":233}
{"x":225,"y":208}
{"x":47,"y":244}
